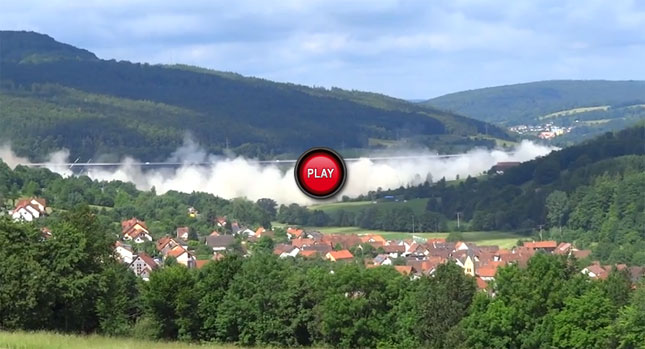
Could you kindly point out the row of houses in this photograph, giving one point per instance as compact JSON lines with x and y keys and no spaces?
{"x":176,"y":247}
{"x":416,"y":257}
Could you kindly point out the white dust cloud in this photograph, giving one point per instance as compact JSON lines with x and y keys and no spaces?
{"x":241,"y":177}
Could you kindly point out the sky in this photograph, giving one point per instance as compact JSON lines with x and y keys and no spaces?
{"x":407,"y":49}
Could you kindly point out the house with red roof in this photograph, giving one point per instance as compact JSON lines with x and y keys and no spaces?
{"x":182,"y":233}
{"x":135,"y":230}
{"x":294,"y":233}
{"x":29,"y":209}
{"x":220,"y":221}
{"x":143,"y":265}
{"x":596,"y":271}
{"x":546,"y":246}
{"x":370,"y":238}
{"x":182,"y":256}
{"x":336,"y":256}
{"x":300,"y":243}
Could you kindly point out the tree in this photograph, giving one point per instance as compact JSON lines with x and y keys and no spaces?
{"x":455,"y":236}
{"x":263,"y":245}
{"x":629,"y":329}
{"x":557,"y":207}
{"x":440,"y":303}
{"x":584,"y":321}
{"x":117,"y":303}
{"x":213,"y":282}
{"x":170,"y":300}
{"x":268,"y":206}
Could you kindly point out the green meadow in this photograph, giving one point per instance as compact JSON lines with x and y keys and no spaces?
{"x":50,"y":340}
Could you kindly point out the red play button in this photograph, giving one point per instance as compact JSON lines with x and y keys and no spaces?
{"x":320,"y":173}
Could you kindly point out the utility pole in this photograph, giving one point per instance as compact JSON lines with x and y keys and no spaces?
{"x":413,"y":224}
{"x":458,"y":214}
{"x":540,"y":227}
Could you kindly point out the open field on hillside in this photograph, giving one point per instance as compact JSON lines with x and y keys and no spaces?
{"x":574,"y":111}
{"x":417,"y":205}
{"x":49,"y":340}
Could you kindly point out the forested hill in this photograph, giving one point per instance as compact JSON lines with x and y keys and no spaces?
{"x":591,"y":194}
{"x":526,"y":103}
{"x":54,"y":95}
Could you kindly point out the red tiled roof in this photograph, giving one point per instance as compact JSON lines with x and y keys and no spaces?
{"x":308,"y":253}
{"x":176,"y":252}
{"x":147,"y":259}
{"x":598,"y":270}
{"x":394,"y":248}
{"x":374,"y":237}
{"x":295,"y":232}
{"x":161,"y":243}
{"x":541,"y":244}
{"x":182,"y":230}
{"x":563,"y":248}
{"x":342,"y":254}
{"x":580,"y":254}
{"x":302,"y":242}
{"x":131,"y":222}
{"x":481,"y":284}
{"x":487,"y":271}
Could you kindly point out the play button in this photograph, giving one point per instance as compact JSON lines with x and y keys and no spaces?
{"x":320,"y":173}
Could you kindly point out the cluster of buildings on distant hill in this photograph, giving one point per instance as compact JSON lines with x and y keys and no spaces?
{"x":545,"y":131}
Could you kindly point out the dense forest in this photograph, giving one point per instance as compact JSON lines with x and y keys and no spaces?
{"x":71,"y":283}
{"x":55,"y":96}
{"x":525,"y":103}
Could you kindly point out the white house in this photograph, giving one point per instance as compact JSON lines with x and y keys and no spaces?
{"x":124,"y":252}
{"x":292,"y":253}
{"x":29,"y":209}
{"x":143,"y":265}
{"x":182,"y":256}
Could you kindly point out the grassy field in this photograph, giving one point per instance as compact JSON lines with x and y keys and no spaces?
{"x":417,"y":205}
{"x":48,"y":340}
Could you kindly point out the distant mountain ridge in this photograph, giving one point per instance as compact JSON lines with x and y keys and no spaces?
{"x":23,"y":47}
{"x":55,"y":95}
{"x":525,"y":103}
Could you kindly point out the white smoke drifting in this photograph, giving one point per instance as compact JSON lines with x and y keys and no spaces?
{"x":241,"y":177}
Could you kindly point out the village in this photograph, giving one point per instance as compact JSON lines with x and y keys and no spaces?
{"x":544,"y":131}
{"x":413,"y":257}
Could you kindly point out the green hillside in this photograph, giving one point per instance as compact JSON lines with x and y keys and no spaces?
{"x":526,"y":103}
{"x":55,"y":95}
{"x":590,"y":194}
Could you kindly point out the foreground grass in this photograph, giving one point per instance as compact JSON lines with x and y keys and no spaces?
{"x":49,"y":340}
